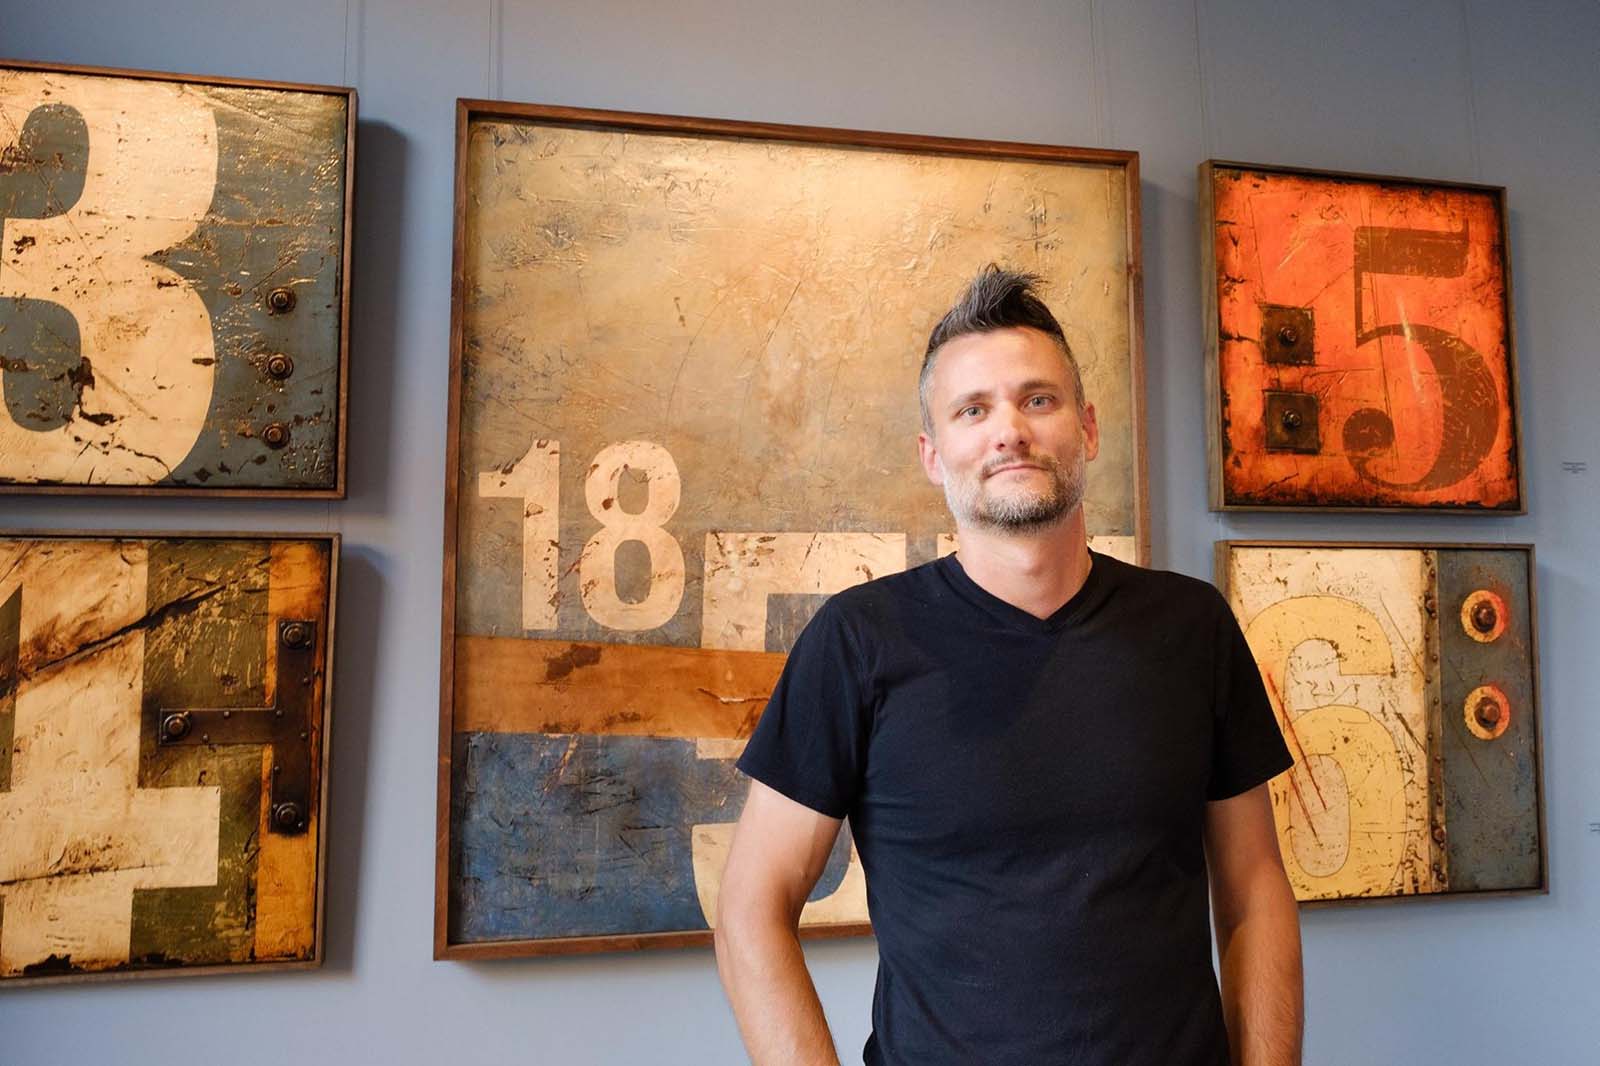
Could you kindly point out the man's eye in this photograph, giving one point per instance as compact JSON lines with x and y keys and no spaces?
{"x":1039,"y":401}
{"x":971,"y":412}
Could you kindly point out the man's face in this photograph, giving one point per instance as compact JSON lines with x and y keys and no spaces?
{"x":1007,"y":445}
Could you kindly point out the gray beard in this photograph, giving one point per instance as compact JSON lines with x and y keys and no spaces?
{"x":1018,"y":512}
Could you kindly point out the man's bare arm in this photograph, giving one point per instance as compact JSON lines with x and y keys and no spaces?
{"x":1258,"y":932}
{"x":779,"y":850}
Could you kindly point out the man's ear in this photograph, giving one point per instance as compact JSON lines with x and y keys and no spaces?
{"x":1091,"y":432}
{"x":929,"y":454}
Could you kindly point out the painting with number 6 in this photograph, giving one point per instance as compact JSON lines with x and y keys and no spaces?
{"x":174,"y":283}
{"x":1360,"y":350}
{"x":1405,"y":680}
{"x":683,"y":413}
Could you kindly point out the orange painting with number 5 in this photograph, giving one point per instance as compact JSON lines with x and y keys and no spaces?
{"x":1361,"y":343}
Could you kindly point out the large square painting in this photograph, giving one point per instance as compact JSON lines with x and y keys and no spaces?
{"x":683,"y":413}
{"x":1359,"y":343}
{"x":1404,"y":677}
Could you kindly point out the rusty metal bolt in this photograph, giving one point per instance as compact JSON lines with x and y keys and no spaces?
{"x":1291,"y":420}
{"x":1438,"y":834}
{"x":281,"y":301}
{"x":1487,"y":712}
{"x":279,"y":366}
{"x":287,"y":816}
{"x":176,"y":726}
{"x":296,"y":635}
{"x":275,"y":435}
{"x":1288,"y":336}
{"x":1484,"y":616}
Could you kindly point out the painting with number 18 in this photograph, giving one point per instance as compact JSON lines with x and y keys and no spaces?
{"x":684,"y":412}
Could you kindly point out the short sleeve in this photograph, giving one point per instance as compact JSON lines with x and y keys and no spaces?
{"x":1247,"y":746}
{"x":811,"y":741}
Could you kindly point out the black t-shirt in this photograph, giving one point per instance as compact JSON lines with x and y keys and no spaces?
{"x":1027,"y":796}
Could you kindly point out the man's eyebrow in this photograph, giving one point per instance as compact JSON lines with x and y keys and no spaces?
{"x":968,"y":397}
{"x":1040,"y":384}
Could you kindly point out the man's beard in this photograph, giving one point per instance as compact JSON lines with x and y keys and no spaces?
{"x":1021,"y":510}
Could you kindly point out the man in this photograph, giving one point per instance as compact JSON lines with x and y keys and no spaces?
{"x":1043,"y":753}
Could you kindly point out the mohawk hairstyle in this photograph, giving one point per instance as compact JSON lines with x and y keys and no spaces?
{"x":996,"y":299}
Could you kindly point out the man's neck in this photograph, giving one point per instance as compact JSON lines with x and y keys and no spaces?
{"x":1037,"y":572}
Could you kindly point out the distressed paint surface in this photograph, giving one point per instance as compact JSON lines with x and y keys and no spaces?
{"x":1373,"y":666}
{"x":142,"y":226}
{"x":688,"y":414}
{"x":117,"y":853}
{"x":594,"y":835}
{"x":1397,"y":297}
{"x":1491,"y":782}
{"x":1342,"y":638}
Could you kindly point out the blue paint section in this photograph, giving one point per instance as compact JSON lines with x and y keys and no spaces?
{"x":561,"y":835}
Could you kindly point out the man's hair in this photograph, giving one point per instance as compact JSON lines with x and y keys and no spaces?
{"x":996,"y":299}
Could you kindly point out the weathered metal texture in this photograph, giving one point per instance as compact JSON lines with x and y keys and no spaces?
{"x":120,"y":854}
{"x":1404,"y":348}
{"x":686,"y":414}
{"x":163,"y":242}
{"x":1491,"y":783}
{"x":1366,"y":659}
{"x":585,"y":835}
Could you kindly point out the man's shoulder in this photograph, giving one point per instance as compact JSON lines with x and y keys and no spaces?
{"x":1144,"y":587}
{"x":913,"y":586}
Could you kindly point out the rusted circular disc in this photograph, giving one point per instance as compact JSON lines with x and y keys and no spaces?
{"x":1487,"y":712}
{"x":1484,"y":616}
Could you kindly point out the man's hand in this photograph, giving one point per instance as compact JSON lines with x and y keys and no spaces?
{"x":779,"y":850}
{"x":1258,"y":931}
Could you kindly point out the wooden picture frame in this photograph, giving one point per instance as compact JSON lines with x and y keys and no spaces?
{"x":207,"y":353}
{"x":1360,"y":343}
{"x":701,"y":338}
{"x":1405,"y":676}
{"x":165,"y":703}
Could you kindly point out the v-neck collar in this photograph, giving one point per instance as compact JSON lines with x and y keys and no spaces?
{"x":1015,"y":617}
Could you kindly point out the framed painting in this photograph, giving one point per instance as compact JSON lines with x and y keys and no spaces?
{"x":1359,"y":343}
{"x":1405,"y":679}
{"x":164,"y":706}
{"x":683,"y":412}
{"x":174,"y":283}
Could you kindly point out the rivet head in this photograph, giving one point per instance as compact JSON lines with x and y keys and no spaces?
{"x":281,"y":300}
{"x":1288,"y":336}
{"x":287,"y":815}
{"x":1487,"y":712}
{"x":1292,"y":420}
{"x":279,"y":366}
{"x":275,"y":435}
{"x":295,"y":635}
{"x":1438,"y":834}
{"x":176,"y":726}
{"x":1484,"y":616}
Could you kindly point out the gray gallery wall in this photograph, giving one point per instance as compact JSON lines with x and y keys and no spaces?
{"x":1475,"y":90}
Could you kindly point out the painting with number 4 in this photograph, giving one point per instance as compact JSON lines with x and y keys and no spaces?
{"x":163,"y":730}
{"x":684,"y":412}
{"x":174,"y":283}
{"x":1359,"y":342}
{"x":1404,"y":677}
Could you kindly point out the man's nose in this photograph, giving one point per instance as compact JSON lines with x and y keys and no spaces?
{"x":1012,"y":431}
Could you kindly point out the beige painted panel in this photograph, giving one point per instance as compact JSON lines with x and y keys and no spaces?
{"x":144,"y":331}
{"x":1340,"y":636}
{"x":77,"y":834}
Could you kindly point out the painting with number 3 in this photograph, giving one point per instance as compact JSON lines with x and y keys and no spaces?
{"x":684,"y":413}
{"x":1359,"y":335}
{"x":174,"y":283}
{"x":1405,"y":680}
